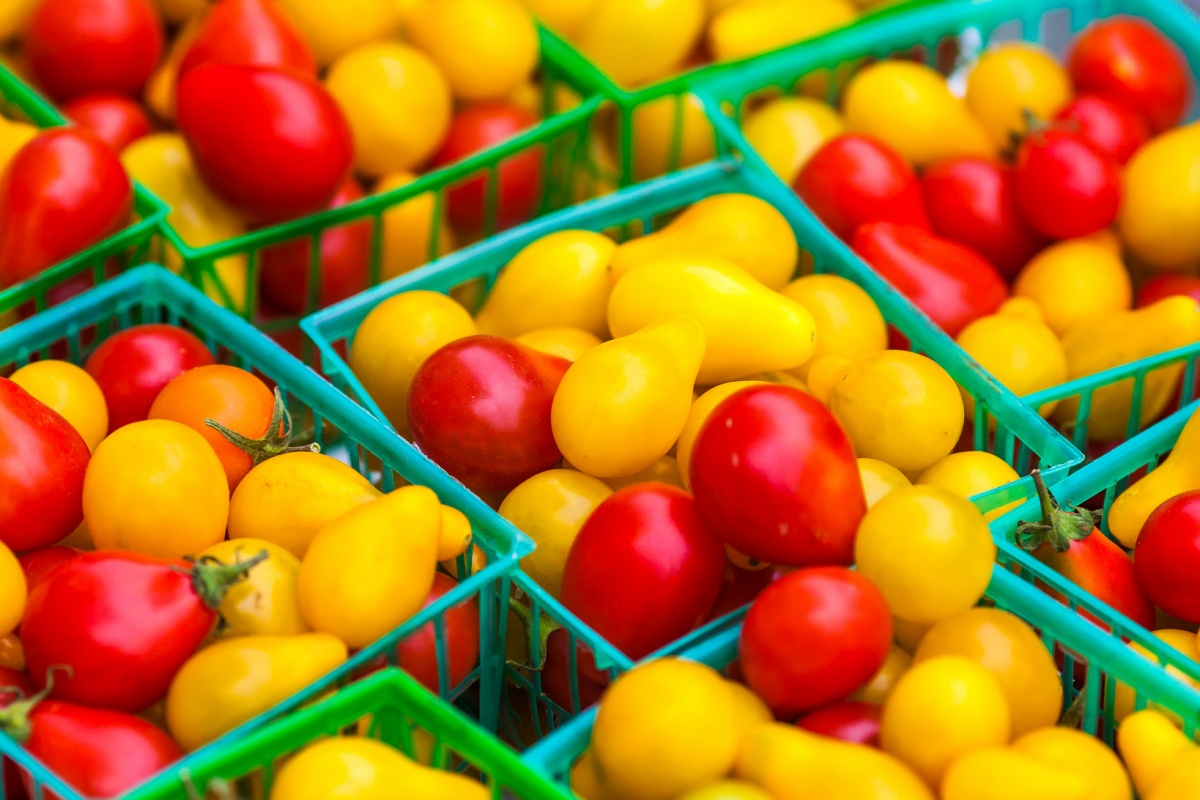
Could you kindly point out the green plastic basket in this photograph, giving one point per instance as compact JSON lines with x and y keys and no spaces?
{"x":122,"y":250}
{"x":1023,"y":438}
{"x":152,"y":294}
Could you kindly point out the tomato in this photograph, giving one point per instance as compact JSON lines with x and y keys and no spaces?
{"x":740,"y":586}
{"x":285,"y":151}
{"x":77,"y":47}
{"x":774,"y":474}
{"x":43,"y":461}
{"x":848,"y":721}
{"x":1160,"y":200}
{"x":133,"y":365}
{"x":18,"y":685}
{"x":556,"y":673}
{"x":1066,"y":187}
{"x":417,"y":653}
{"x":331,"y":31}
{"x":1161,"y":286}
{"x":973,"y":201}
{"x":1167,"y":556}
{"x":854,"y":179}
{"x":646,"y":547}
{"x":266,"y":603}
{"x":62,"y":192}
{"x":14,"y":583}
{"x":1110,"y":125}
{"x":1127,"y":58}
{"x":1011,"y":81}
{"x":248,"y":32}
{"x":480,"y":408}
{"x":1073,"y":280}
{"x":45,"y":561}
{"x":813,"y":637}
{"x":344,"y":267}
{"x":116,"y":120}
{"x":519,"y":177}
{"x":124,"y":623}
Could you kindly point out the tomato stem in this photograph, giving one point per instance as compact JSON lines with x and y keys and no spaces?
{"x":212,"y":577}
{"x":1057,"y":527}
{"x":546,"y":626}
{"x":275,"y":442}
{"x":14,"y":718}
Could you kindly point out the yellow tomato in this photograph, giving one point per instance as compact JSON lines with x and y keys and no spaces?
{"x":333,"y":29}
{"x":670,"y":134}
{"x":71,"y":392}
{"x":1183,"y":641}
{"x":13,"y":136}
{"x":941,"y":709}
{"x":410,"y":230}
{"x":394,"y":340}
{"x":787,"y":130}
{"x":1011,"y":80}
{"x":564,"y":17}
{"x":1074,"y":279}
{"x":550,"y":508}
{"x":1080,"y":754}
{"x":568,"y":343}
{"x":928,"y":550}
{"x":848,"y":322}
{"x":879,"y":478}
{"x":823,"y":373}
{"x":157,"y":488}
{"x":12,"y":591}
{"x":749,"y":710}
{"x":1160,"y":200}
{"x":455,"y":536}
{"x":701,"y":408}
{"x":876,"y":690}
{"x":665,"y":470}
{"x":397,"y":103}
{"x":970,"y":474}
{"x":266,"y":602}
{"x":1004,"y":773}
{"x":636,"y":40}
{"x":751,"y":27}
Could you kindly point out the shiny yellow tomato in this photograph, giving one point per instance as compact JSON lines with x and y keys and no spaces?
{"x":701,"y":408}
{"x":1160,"y":201}
{"x":928,"y":550}
{"x":941,"y":709}
{"x":1080,"y":754}
{"x":266,"y":602}
{"x":786,"y":132}
{"x":12,"y":591}
{"x":455,"y":536}
{"x":568,"y":343}
{"x":848,"y":322}
{"x":71,"y":392}
{"x":410,"y":230}
{"x":669,"y":134}
{"x":634,"y":41}
{"x":1004,"y":773}
{"x":13,"y":136}
{"x":972,"y":473}
{"x":749,"y":709}
{"x":1074,"y":279}
{"x":332,"y":29}
{"x":564,"y":17}
{"x":1183,"y":641}
{"x":1011,"y":80}
{"x":876,"y":690}
{"x":879,"y":478}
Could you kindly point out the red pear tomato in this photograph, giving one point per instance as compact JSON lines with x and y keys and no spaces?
{"x":417,"y":653}
{"x":116,"y":120}
{"x":1065,"y":186}
{"x":248,"y":32}
{"x":1110,"y":125}
{"x":1166,"y":558}
{"x":848,"y":721}
{"x":45,"y":561}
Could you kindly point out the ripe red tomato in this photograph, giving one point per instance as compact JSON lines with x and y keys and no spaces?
{"x":114,"y":118}
{"x":272,"y":143}
{"x":644,"y":569}
{"x":1166,"y":558}
{"x":480,"y":408}
{"x":1128,"y":58}
{"x":42,"y":464}
{"x":855,"y":179}
{"x":1110,"y":125}
{"x":973,"y":201}
{"x":813,"y":637}
{"x":479,"y":127}
{"x":133,"y":365}
{"x":417,"y":653}
{"x":1065,"y":186}
{"x":1161,"y":286}
{"x":42,"y":563}
{"x":849,"y":721}
{"x":63,"y":191}
{"x":77,"y":47}
{"x":774,"y":474}
{"x":345,"y":263}
{"x":248,"y":32}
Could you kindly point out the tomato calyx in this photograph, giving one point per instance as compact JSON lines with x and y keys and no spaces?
{"x":546,"y":626}
{"x":212,"y":577}
{"x":275,"y":442}
{"x":14,"y":718}
{"x":1057,"y":527}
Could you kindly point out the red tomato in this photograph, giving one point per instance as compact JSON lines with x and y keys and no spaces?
{"x":114,"y":118}
{"x":63,"y":191}
{"x":1128,"y":58}
{"x":774,"y":474}
{"x":78,"y":47}
{"x":248,"y":32}
{"x":42,"y":464}
{"x":813,"y":637}
{"x":45,"y":561}
{"x":480,"y":408}
{"x":1065,"y":186}
{"x":1110,"y":125}
{"x":644,"y":569}
{"x":345,"y":263}
{"x":123,"y":622}
{"x":417,"y":653}
{"x":973,"y":201}
{"x":556,"y":673}
{"x":271,"y":142}
{"x":950,"y":282}
{"x":1162,"y":286}
{"x":855,"y":179}
{"x":479,"y":127}
{"x":849,"y":721}
{"x":1166,"y":559}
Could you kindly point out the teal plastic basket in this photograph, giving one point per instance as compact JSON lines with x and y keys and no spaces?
{"x":322,"y":414}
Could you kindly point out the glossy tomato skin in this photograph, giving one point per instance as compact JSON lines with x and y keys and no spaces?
{"x":478,"y":127}
{"x":855,"y":179}
{"x":950,"y":282}
{"x":115,"y":119}
{"x":973,"y":201}
{"x":62,"y":192}
{"x":645,"y":568}
{"x":345,"y":262}
{"x":77,"y":47}
{"x":43,"y":461}
{"x":1128,"y":58}
{"x":1066,"y":187}
{"x":134,"y":365}
{"x":480,"y":408}
{"x":272,"y":143}
{"x":1166,"y":558}
{"x":417,"y":652}
{"x":248,"y":32}
{"x":40,"y":564}
{"x":123,"y":622}
{"x":848,"y":721}
{"x":1167,"y":285}
{"x":1110,"y":125}
{"x":813,"y":637}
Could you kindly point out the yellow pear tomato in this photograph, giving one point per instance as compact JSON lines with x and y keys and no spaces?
{"x":786,"y":132}
{"x":1074,"y":279}
{"x":267,"y":601}
{"x":848,"y":322}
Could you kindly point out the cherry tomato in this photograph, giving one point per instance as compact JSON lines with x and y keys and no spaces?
{"x":417,"y":653}
{"x":248,"y":32}
{"x":479,"y":127}
{"x":40,"y":564}
{"x":848,"y":721}
{"x":114,"y":118}
{"x":1066,"y":188}
{"x":1127,"y":58}
{"x":1166,"y":558}
{"x":134,"y":365}
{"x":1166,"y":285}
{"x":813,"y":637}
{"x":854,"y":179}
{"x":13,"y":591}
{"x":1110,"y":125}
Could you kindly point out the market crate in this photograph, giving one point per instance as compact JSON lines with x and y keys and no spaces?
{"x":122,"y":250}
{"x":1022,"y":437}
{"x":322,"y":414}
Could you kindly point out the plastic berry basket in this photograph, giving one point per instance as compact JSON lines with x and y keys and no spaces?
{"x":1023,"y":438}
{"x":120,"y":251}
{"x":152,"y":294}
